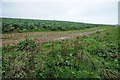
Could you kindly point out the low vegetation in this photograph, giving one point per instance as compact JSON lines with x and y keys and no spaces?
{"x":92,"y":56}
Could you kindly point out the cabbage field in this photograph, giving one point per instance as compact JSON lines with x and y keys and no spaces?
{"x":21,"y":25}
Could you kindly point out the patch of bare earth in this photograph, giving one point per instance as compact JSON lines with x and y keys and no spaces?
{"x":41,"y":37}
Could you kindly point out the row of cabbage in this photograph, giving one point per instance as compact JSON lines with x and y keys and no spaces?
{"x":14,"y":24}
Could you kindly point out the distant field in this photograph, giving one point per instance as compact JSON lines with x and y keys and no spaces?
{"x":29,"y":25}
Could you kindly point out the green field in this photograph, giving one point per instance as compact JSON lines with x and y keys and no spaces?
{"x":87,"y":56}
{"x":29,"y":25}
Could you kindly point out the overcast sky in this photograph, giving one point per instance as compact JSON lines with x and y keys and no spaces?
{"x":90,"y":11}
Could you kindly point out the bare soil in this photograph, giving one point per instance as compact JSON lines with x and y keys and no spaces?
{"x":41,"y":37}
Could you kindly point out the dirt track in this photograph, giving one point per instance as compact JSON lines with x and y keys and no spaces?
{"x":41,"y":37}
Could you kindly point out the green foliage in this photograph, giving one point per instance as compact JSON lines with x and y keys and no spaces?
{"x":14,"y":65}
{"x":22,"y":25}
{"x":26,"y":45}
{"x":85,"y":57}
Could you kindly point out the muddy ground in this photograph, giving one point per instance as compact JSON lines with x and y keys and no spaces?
{"x":41,"y":37}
